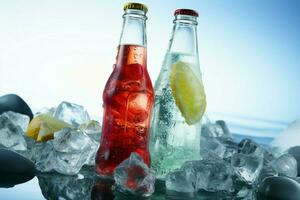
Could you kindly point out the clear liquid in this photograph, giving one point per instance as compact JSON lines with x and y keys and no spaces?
{"x":172,"y":140}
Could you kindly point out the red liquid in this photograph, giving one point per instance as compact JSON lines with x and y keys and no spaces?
{"x":128,"y":98}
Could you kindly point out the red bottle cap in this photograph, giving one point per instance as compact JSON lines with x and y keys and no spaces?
{"x":186,"y":12}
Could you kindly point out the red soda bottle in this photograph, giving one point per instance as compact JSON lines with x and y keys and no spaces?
{"x":128,"y":97}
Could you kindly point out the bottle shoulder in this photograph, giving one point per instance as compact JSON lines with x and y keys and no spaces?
{"x":129,"y":78}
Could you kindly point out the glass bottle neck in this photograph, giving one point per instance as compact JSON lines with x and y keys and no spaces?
{"x":184,"y":35}
{"x":134,"y":28}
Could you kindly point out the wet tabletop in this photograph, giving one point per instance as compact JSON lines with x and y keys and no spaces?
{"x":86,"y":185}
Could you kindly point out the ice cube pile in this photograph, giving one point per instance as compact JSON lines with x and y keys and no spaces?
{"x":66,"y":153}
{"x":226,"y":166}
{"x":229,"y":166}
{"x":70,"y":149}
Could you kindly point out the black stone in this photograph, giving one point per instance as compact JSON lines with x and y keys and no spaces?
{"x":12,"y":102}
{"x":278,"y":188}
{"x":14,"y":168}
{"x":295,"y":151}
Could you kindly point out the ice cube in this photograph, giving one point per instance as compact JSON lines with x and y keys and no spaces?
{"x":224,"y":127}
{"x":18,"y":119}
{"x":43,"y":155}
{"x":47,"y":111}
{"x":249,"y":147}
{"x":219,"y":129}
{"x":68,"y":140}
{"x":70,"y":164}
{"x":181,"y":181}
{"x":268,"y":156}
{"x":66,"y":153}
{"x":247,"y":167}
{"x":72,"y":113}
{"x":216,"y":140}
{"x":230,"y":145}
{"x":211,"y":147}
{"x":11,"y":135}
{"x":73,"y":149}
{"x":285,"y":165}
{"x":134,"y":176}
{"x":31,"y":143}
{"x":213,"y":175}
{"x":92,"y":129}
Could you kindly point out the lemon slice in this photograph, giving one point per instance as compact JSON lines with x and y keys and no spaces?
{"x":42,"y":127}
{"x":188,"y":92}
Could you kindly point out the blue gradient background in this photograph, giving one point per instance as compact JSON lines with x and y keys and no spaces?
{"x":56,"y":50}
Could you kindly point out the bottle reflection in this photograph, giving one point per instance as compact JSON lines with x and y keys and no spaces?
{"x":102,"y":189}
{"x":57,"y":186}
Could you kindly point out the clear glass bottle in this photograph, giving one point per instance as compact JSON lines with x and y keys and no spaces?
{"x":128,"y":97}
{"x":179,"y":99}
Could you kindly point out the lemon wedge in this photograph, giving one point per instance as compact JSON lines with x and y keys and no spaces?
{"x":188,"y":92}
{"x":42,"y":127}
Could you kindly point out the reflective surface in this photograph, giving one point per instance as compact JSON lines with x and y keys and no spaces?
{"x":88,"y":185}
{"x":55,"y":186}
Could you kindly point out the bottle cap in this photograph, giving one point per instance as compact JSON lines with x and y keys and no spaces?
{"x":137,"y":6}
{"x":186,"y":12}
